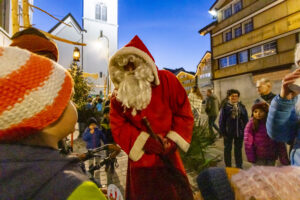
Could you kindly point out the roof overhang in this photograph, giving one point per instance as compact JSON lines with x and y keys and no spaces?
{"x":207,"y":28}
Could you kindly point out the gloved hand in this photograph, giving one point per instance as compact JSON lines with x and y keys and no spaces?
{"x":153,"y":146}
{"x":169,"y":146}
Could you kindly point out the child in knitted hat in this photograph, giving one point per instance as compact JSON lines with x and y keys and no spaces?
{"x":259,"y":147}
{"x":36,"y":112}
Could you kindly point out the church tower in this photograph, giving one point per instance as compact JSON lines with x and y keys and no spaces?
{"x":100,"y":24}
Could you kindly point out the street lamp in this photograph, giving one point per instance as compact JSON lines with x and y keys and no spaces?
{"x":107,"y":77}
{"x":76,"y":54}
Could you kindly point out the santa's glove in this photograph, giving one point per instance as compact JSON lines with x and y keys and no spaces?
{"x":153,"y":146}
{"x":169,"y":146}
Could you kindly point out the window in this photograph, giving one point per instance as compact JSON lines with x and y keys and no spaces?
{"x":227,"y":13}
{"x":270,"y":48}
{"x":243,"y":56}
{"x":237,"y":32}
{"x":255,"y":53}
{"x":228,"y":61}
{"x":248,"y":27}
{"x":263,"y":50}
{"x":228,"y":36}
{"x":237,"y":7}
{"x":232,"y":60}
{"x":206,"y":75}
{"x":101,"y":12}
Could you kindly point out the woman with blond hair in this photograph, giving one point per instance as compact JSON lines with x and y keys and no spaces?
{"x":196,"y":98}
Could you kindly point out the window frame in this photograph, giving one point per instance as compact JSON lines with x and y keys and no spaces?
{"x":99,"y":12}
{"x":262,"y":50}
{"x":238,"y":2}
{"x":228,"y":8}
{"x":239,"y":53}
{"x":246,"y":23}
{"x":234,"y":31}
{"x":228,"y":61}
{"x":225,"y":35}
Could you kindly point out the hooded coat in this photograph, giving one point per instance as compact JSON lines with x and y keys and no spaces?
{"x":169,"y":113}
{"x":260,"y":146}
{"x":31,"y":172}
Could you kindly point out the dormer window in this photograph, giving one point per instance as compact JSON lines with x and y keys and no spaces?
{"x":101,"y":12}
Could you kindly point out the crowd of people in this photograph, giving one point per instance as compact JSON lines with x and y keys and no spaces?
{"x":149,"y":115}
{"x":235,"y":128}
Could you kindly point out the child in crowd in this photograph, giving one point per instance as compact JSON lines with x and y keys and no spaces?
{"x":93,"y":137}
{"x":260,"y":148}
{"x":36,"y":112}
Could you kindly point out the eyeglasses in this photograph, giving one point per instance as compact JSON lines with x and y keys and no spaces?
{"x":234,"y":96}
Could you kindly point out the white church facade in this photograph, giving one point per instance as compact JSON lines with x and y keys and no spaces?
{"x":99,"y":32}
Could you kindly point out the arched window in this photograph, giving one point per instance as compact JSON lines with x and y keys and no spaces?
{"x":101,"y":12}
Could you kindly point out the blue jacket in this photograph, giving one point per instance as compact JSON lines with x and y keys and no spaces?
{"x":93,"y":140}
{"x":282,"y":125}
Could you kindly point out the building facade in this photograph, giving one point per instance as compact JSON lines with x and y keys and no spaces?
{"x":252,"y":39}
{"x":203,"y":74}
{"x":187,"y":79}
{"x":6,"y":20}
{"x":99,"y":32}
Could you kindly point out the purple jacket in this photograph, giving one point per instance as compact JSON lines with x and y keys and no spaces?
{"x":260,"y":145}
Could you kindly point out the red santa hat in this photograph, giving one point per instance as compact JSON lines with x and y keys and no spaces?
{"x":136,"y":47}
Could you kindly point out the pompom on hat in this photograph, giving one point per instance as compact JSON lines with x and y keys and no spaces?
{"x":35,"y":41}
{"x":34,"y":92}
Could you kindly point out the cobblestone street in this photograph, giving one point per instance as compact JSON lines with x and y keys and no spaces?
{"x":118,"y":177}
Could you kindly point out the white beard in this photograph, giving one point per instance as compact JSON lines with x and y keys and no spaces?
{"x":135,"y":89}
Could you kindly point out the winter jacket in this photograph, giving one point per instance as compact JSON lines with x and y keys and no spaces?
{"x":266,"y":98}
{"x":260,"y":146}
{"x":283,"y":124}
{"x":105,"y":127}
{"x":93,"y":140}
{"x":233,"y":127}
{"x":212,"y":106}
{"x":35,"y":173}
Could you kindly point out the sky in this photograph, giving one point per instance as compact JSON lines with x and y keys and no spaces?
{"x":169,"y":28}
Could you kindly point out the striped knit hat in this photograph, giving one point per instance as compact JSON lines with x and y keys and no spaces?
{"x":34,"y":92}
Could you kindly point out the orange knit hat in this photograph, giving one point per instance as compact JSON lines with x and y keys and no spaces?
{"x":34,"y":92}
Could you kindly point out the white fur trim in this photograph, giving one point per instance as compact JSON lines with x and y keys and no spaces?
{"x":175,"y":137}
{"x":142,"y":54}
{"x":36,"y":100}
{"x":12,"y":59}
{"x":137,"y":151}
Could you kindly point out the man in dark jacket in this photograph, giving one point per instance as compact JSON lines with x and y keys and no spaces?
{"x":232,"y":122}
{"x":211,"y":109}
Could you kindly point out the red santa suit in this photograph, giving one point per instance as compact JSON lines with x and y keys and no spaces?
{"x":169,"y":113}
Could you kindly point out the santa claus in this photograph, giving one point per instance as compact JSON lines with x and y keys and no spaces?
{"x":141,"y":90}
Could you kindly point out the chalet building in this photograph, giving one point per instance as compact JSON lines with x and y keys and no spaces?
{"x":250,"y":40}
{"x":187,"y":79}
